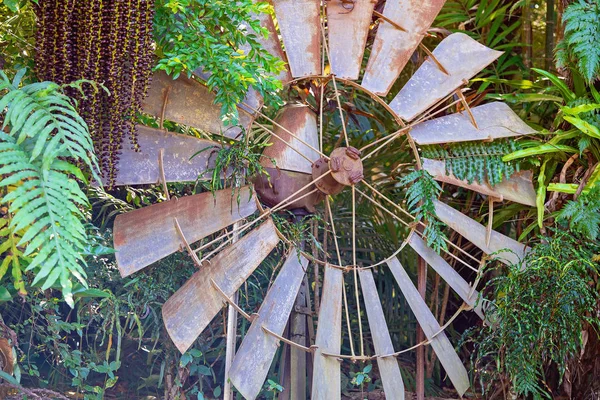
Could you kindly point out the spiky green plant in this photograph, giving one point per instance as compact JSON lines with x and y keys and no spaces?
{"x":42,"y":141}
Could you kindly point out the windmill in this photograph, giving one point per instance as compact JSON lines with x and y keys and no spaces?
{"x":324,"y":47}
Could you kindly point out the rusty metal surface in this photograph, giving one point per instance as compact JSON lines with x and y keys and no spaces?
{"x":508,"y":250}
{"x":189,"y":103}
{"x":326,"y":380}
{"x":452,"y":278}
{"x":281,"y":184}
{"x":300,"y":26}
{"x":148,"y":234}
{"x":253,"y":359}
{"x":393,"y":47}
{"x":348,"y":26}
{"x":494,"y":120}
{"x":142,"y":167}
{"x":346,"y":166}
{"x":393,"y":386}
{"x":461,"y":56}
{"x":518,"y":188}
{"x":187,"y":313}
{"x":302,"y":122}
{"x":441,"y":345}
{"x":327,"y":184}
{"x":272,"y":44}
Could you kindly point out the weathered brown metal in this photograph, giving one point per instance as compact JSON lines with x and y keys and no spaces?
{"x":195,"y":304}
{"x":507,"y":250}
{"x":439,"y":341}
{"x":188,"y":102}
{"x":494,"y":120}
{"x":148,"y":234}
{"x":253,"y":359}
{"x":348,"y":26}
{"x":272,"y":44}
{"x":346,"y":166}
{"x":518,"y":188}
{"x":300,"y":26}
{"x":142,"y":167}
{"x":281,"y":184}
{"x":326,"y":380}
{"x":327,"y":184}
{"x":452,"y":278}
{"x":393,"y":47}
{"x":461,"y":56}
{"x":288,"y":151}
{"x":393,"y":386}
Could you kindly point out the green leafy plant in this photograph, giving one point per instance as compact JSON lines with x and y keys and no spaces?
{"x":228,"y":54}
{"x":583,"y":214}
{"x":476,"y":161}
{"x":580,"y":43}
{"x":421,"y":191}
{"x":43,"y":139}
{"x":273,"y":388}
{"x":538,"y":310}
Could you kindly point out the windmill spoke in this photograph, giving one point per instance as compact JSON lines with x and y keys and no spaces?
{"x":339,"y":256}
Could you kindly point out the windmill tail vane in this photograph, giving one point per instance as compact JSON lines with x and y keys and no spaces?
{"x":314,"y":171}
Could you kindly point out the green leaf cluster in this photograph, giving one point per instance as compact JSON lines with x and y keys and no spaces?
{"x":220,"y":41}
{"x":41,"y":145}
{"x":581,"y":20}
{"x":476,"y":161}
{"x":537,"y":312}
{"x":583,"y":214}
{"x":421,"y":191}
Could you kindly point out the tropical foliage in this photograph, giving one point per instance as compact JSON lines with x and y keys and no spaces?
{"x":44,"y":141}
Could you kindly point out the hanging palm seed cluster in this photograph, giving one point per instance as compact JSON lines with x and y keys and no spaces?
{"x":108,"y":42}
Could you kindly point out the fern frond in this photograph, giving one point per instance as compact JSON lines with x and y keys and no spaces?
{"x":583,"y":214}
{"x":45,"y":134}
{"x":581,"y":20}
{"x":421,"y":191}
{"x":476,"y":161}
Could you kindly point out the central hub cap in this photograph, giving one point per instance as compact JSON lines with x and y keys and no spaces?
{"x":346,"y":170}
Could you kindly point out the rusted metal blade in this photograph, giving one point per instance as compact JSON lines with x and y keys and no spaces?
{"x":439,"y":341}
{"x":272,"y":44}
{"x":253,"y":359}
{"x":393,"y":386}
{"x":188,"y":102}
{"x":348,"y":26}
{"x":454,"y":280}
{"x":148,"y":234}
{"x":143,"y":166}
{"x":508,"y":251}
{"x":393,"y":47}
{"x":300,"y":26}
{"x":518,"y":188}
{"x":461,"y":56}
{"x":195,"y":304}
{"x":326,"y":380}
{"x":494,"y":120}
{"x":302,"y":122}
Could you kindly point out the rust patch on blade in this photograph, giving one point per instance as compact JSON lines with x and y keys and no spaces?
{"x":393,"y":386}
{"x":302,"y":122}
{"x":348,"y":27}
{"x":326,"y":371}
{"x":300,"y":26}
{"x":255,"y":355}
{"x":187,"y":313}
{"x":392,"y":47}
{"x":190,"y":103}
{"x":461,"y":56}
{"x":146,"y":235}
{"x":142,"y":167}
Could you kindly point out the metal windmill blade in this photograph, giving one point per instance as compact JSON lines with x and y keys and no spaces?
{"x":303,"y":179}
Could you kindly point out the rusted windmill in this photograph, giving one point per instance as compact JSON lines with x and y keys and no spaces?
{"x":324,"y":47}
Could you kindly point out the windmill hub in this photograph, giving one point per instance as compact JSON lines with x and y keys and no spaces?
{"x":346,"y":170}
